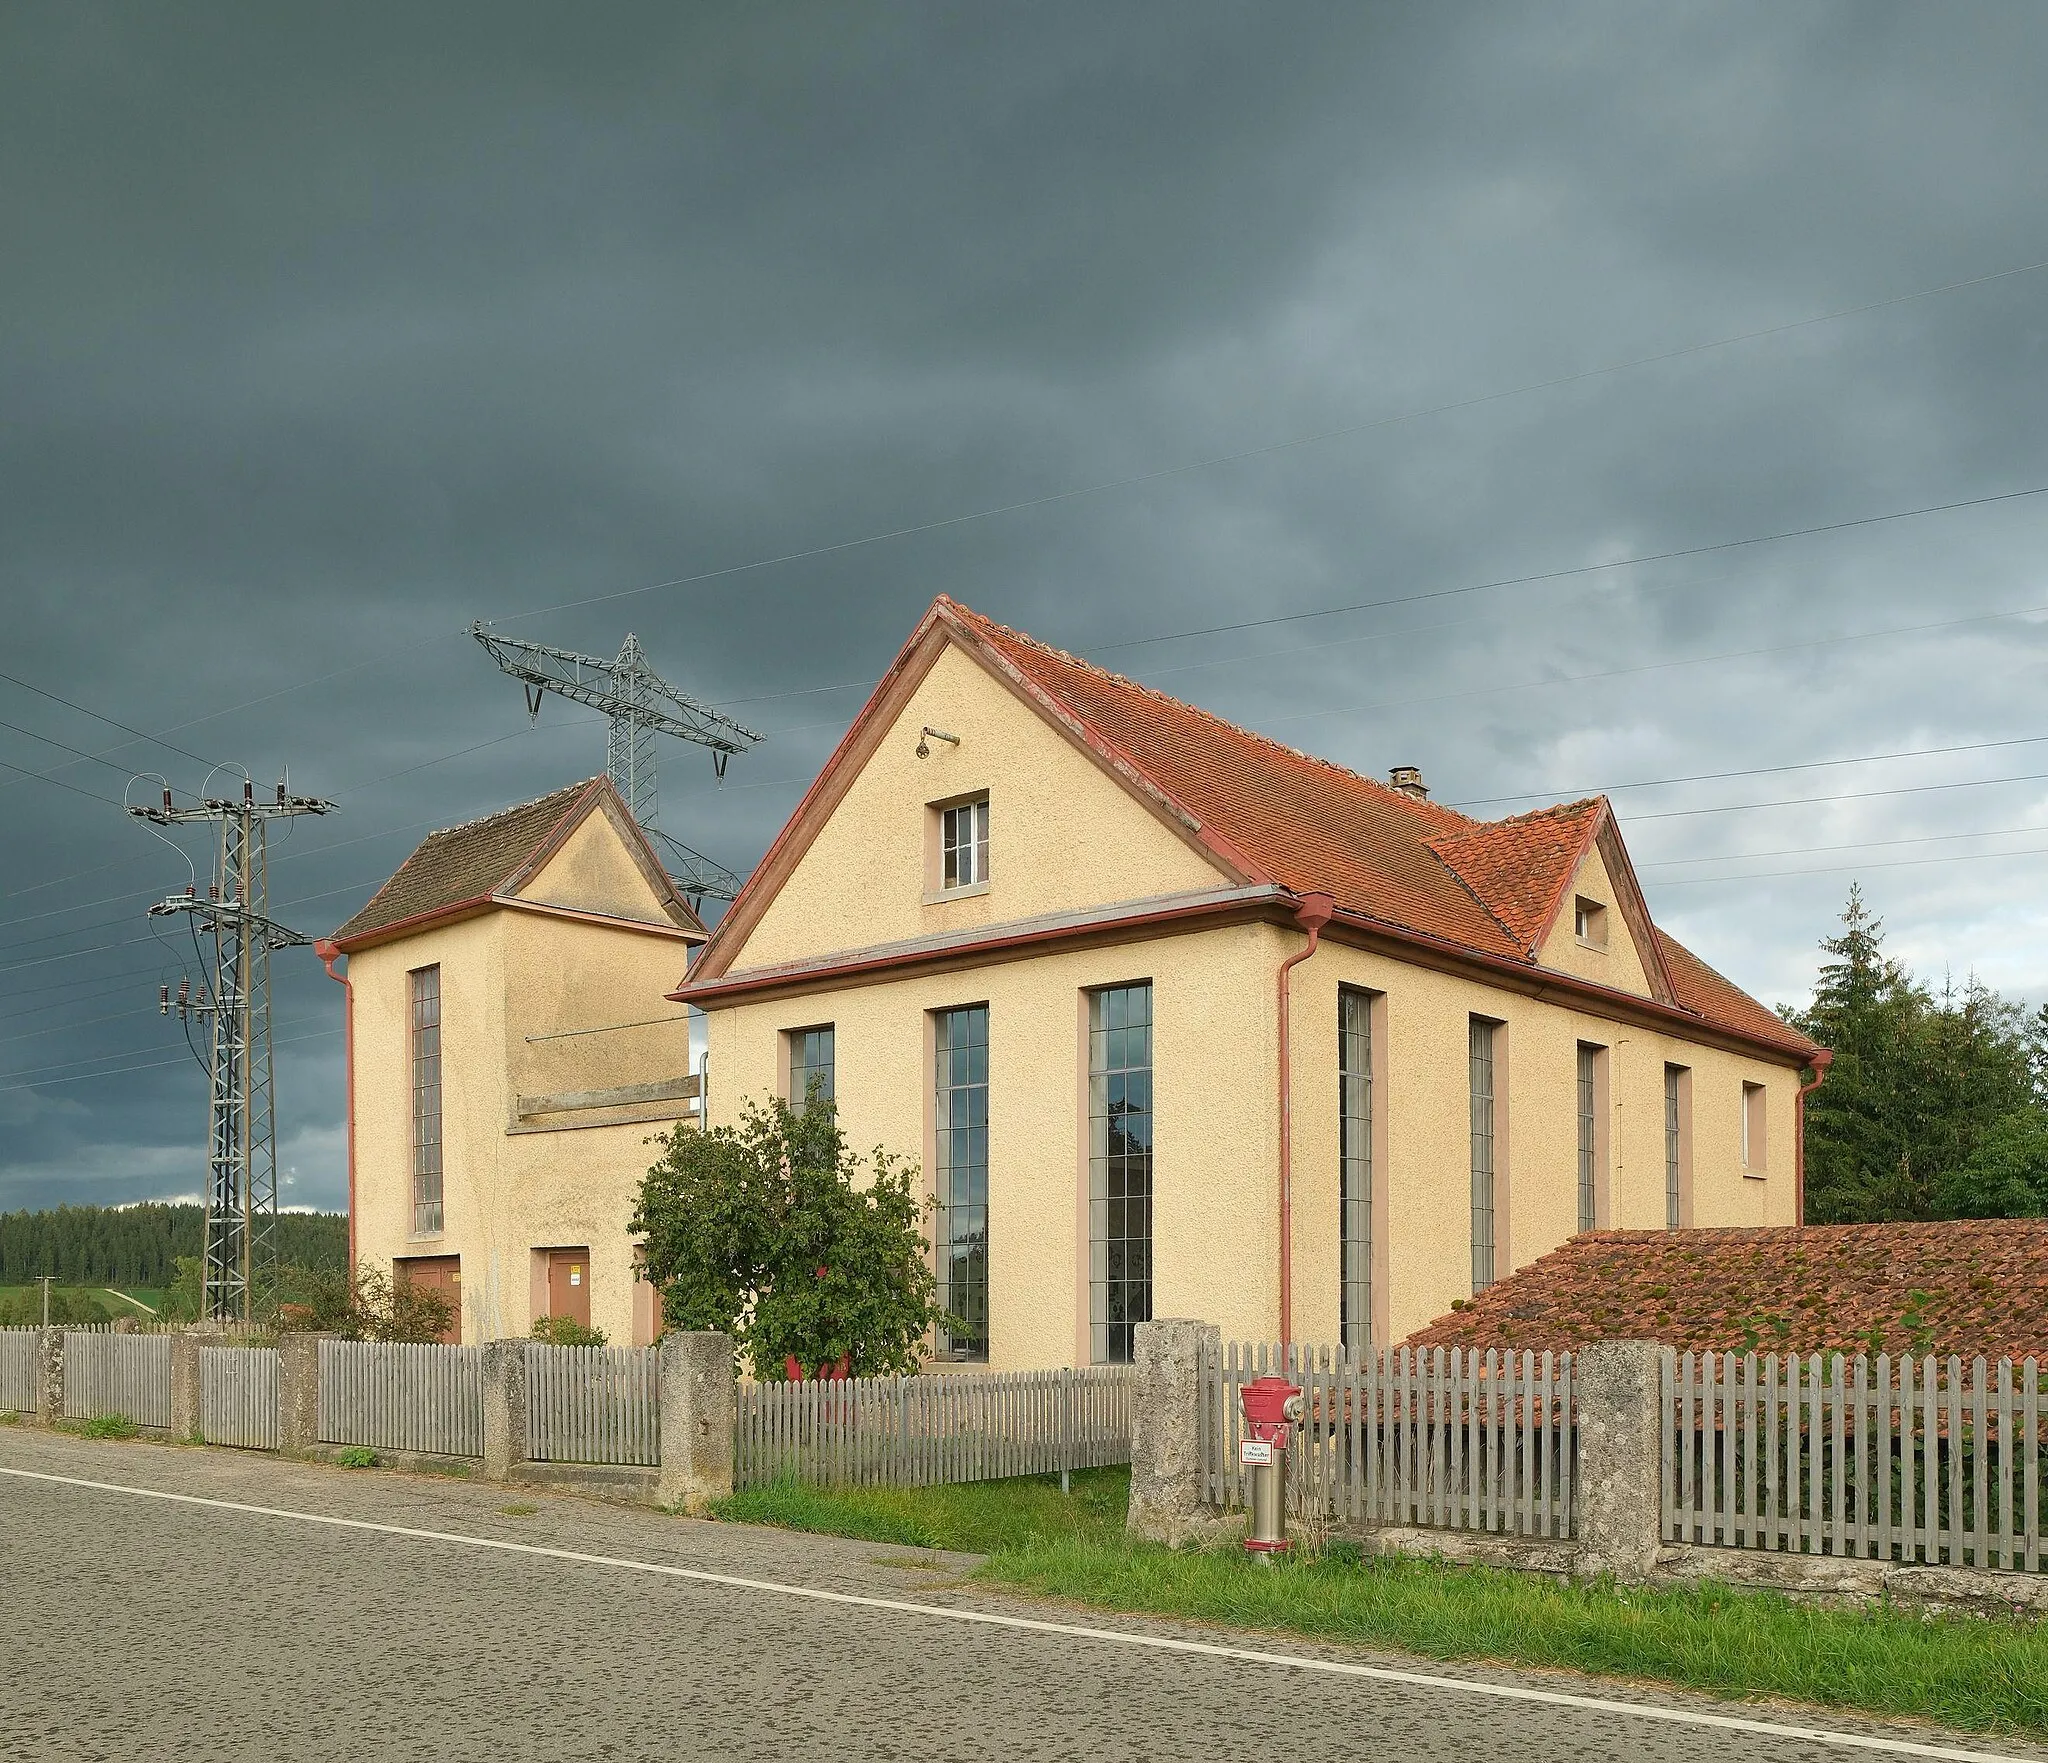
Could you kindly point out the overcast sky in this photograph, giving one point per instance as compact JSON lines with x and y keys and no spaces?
{"x":324,"y":331}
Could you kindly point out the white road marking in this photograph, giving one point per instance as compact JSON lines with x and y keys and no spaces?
{"x":1074,"y":1631}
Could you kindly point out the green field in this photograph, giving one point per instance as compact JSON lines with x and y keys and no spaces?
{"x":23,"y":1304}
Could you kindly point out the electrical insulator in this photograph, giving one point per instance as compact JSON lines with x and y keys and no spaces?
{"x":167,"y":798}
{"x":163,"y":1000}
{"x":213,"y":890}
{"x":280,"y":792}
{"x":248,"y":793}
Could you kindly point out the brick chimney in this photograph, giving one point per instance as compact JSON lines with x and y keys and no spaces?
{"x":1408,"y":780}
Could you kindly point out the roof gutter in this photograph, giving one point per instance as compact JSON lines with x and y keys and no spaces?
{"x":329,"y":953}
{"x":1312,"y":912}
{"x":1822,"y":1059}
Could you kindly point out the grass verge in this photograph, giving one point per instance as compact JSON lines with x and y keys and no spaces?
{"x":1967,"y":1672}
{"x":1970,"y":1672}
{"x":980,"y":1518}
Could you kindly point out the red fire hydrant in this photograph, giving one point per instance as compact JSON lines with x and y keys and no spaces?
{"x":1271,"y":1406}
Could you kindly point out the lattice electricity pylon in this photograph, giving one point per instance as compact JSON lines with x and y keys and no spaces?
{"x":639,"y":704}
{"x":241,"y":1167}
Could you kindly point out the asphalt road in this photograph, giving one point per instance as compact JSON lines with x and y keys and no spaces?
{"x":139,"y":1628}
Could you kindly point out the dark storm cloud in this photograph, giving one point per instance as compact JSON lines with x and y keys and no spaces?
{"x":326,"y":331}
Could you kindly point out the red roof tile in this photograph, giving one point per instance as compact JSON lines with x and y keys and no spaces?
{"x":468,"y":863}
{"x":1488,"y":886}
{"x":1966,"y":1287}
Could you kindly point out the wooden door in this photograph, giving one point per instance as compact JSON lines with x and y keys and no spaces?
{"x":441,"y":1273}
{"x":569,"y":1284}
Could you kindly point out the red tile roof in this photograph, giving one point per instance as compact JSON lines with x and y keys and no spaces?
{"x":1966,"y":1287}
{"x":464,"y":865}
{"x":1312,"y":826}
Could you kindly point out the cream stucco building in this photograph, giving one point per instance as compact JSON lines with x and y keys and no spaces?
{"x":510,"y":1056}
{"x":1182,"y":1022}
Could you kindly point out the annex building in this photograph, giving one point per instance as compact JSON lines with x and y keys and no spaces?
{"x":509,"y":1059}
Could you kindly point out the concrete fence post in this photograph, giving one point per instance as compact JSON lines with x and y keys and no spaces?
{"x":185,"y":1415}
{"x":298,"y":1393}
{"x":1167,"y":1467}
{"x":699,"y":1388}
{"x":1621,"y":1458}
{"x":504,"y":1408}
{"x":50,"y":1376}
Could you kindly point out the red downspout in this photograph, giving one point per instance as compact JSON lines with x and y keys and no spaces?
{"x":1823,"y":1058}
{"x":330,"y":953}
{"x":1313,"y":912}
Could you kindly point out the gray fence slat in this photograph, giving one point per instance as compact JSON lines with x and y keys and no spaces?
{"x":107,"y":1373}
{"x":18,"y":1369}
{"x":238,"y":1396}
{"x":402,"y":1396}
{"x":941,"y":1427}
{"x":592,"y":1405}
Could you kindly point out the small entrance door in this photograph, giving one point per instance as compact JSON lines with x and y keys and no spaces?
{"x":439,"y":1273}
{"x":569,"y":1284}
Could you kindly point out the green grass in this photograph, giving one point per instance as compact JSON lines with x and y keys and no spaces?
{"x":356,"y":1457}
{"x":101,"y":1426}
{"x":1967,"y":1672}
{"x":1961,"y":1671}
{"x":979,"y":1518}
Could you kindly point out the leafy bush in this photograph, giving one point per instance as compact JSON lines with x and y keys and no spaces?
{"x":774,"y":1233}
{"x":370,"y":1307}
{"x":357,"y":1457}
{"x":566,"y":1331}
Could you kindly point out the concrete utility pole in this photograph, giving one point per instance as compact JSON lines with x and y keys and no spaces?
{"x":241,"y":1183}
{"x":45,"y":1278}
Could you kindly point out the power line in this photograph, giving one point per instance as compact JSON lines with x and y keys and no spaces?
{"x":151,"y":1065}
{"x":1968,"y":783}
{"x":1580,"y":790}
{"x":1699,"y":881}
{"x":1572,"y":679}
{"x":1137,"y":479}
{"x":1553,"y":575}
{"x":1995,"y":832}
{"x":110,"y":721}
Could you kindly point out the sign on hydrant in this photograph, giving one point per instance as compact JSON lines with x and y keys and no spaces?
{"x":1271,"y":1406}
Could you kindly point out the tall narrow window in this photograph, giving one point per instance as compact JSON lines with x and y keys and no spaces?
{"x":1589,"y":1136}
{"x":1354,"y":1164}
{"x":810,"y":1065}
{"x":1119,"y":1169}
{"x":1755,"y":1151}
{"x":1482,"y":1043}
{"x":1675,"y":1147}
{"x":961,"y":1121}
{"x":426,"y":1101}
{"x":963,"y":844}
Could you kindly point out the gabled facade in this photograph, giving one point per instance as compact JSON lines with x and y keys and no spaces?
{"x":504,"y":1076}
{"x":1184,"y":1022}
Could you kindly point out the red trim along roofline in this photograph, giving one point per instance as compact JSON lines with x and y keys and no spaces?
{"x":1272,"y":905}
{"x":943,"y":624}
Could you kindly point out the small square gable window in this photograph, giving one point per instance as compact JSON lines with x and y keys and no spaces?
{"x":1589,"y":922}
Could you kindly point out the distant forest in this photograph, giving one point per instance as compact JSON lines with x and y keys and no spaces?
{"x":140,"y":1245}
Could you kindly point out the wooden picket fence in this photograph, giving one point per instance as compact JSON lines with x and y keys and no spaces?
{"x":1412,"y":1437}
{"x":238,"y":1397}
{"x":117,"y":1374}
{"x":401,"y":1396}
{"x":20,"y":1369}
{"x":592,"y":1405}
{"x":1910,"y":1460}
{"x":931,"y":1429}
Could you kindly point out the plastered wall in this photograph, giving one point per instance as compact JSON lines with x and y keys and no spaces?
{"x":1063,"y":835}
{"x":509,"y":1190}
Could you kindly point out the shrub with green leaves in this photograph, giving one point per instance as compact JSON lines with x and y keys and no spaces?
{"x":356,"y":1457}
{"x":775,"y":1233}
{"x":566,"y":1331}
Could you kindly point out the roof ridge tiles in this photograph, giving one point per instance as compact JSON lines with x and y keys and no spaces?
{"x":463,"y":826}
